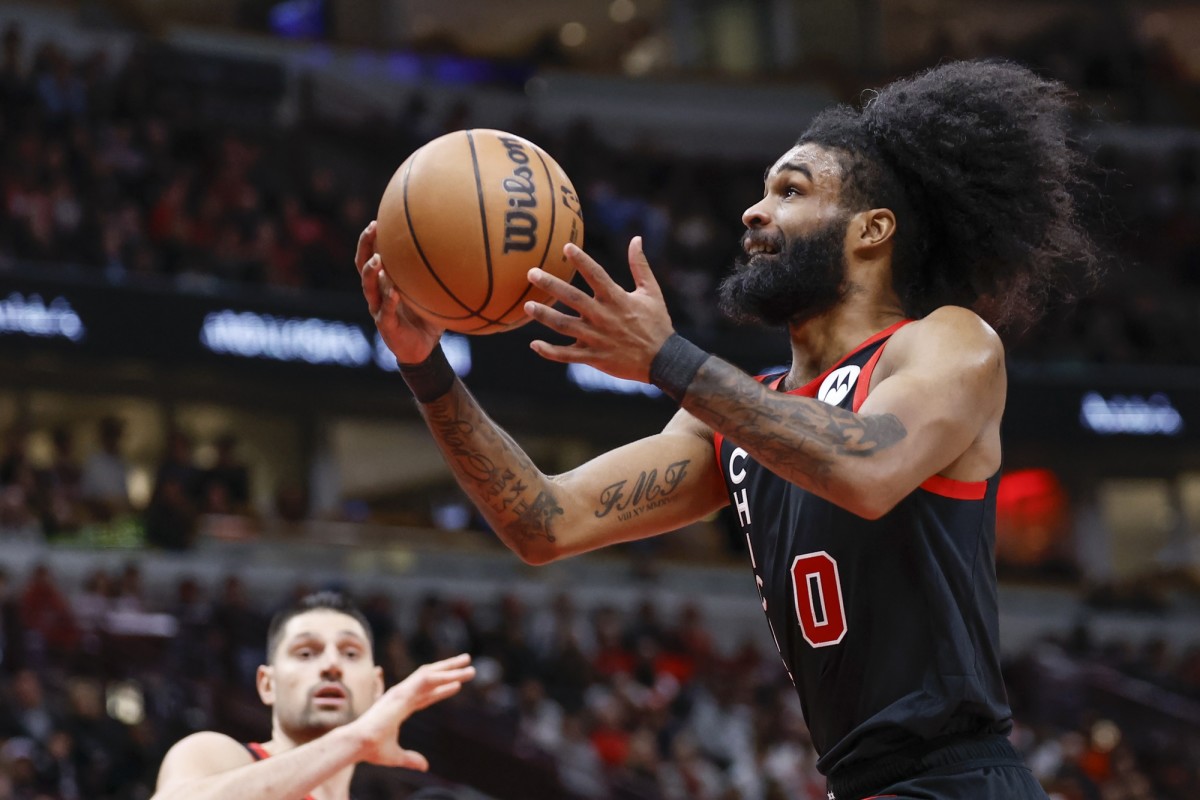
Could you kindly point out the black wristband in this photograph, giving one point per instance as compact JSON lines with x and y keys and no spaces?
{"x":429,"y":379}
{"x":675,"y":366}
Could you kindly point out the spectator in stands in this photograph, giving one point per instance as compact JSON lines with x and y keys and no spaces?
{"x":329,"y":712}
{"x":129,"y":590}
{"x":91,"y":606}
{"x":105,"y":752}
{"x":12,"y":638}
{"x":34,"y":714}
{"x":106,"y":473}
{"x":18,"y":483}
{"x":62,"y":485}
{"x":226,"y":484}
{"x":170,"y":517}
{"x":51,"y":632}
{"x":192,"y":651}
{"x":178,"y":466}
{"x":242,"y":627}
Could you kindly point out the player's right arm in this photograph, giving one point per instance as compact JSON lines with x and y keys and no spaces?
{"x":645,"y":488}
{"x":212,"y":765}
{"x":648,"y":487}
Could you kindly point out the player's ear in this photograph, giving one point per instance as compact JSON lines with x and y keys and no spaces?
{"x":872,"y":228}
{"x":264,"y":681}
{"x":380,"y":686}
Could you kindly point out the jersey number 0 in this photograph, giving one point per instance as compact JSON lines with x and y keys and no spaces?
{"x":818,"y":593}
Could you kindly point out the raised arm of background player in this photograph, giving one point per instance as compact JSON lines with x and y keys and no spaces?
{"x":212,"y":765}
{"x":934,"y":408}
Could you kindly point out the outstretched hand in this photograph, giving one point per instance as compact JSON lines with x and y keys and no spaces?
{"x":616,"y":331}
{"x":379,"y":726}
{"x":410,"y":338}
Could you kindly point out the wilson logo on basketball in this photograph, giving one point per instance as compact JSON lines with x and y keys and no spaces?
{"x":520,"y":226}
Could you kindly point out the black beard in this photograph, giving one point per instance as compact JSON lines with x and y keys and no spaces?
{"x":803,"y":280}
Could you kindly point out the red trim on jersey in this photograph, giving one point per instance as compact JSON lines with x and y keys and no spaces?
{"x":810,"y":389}
{"x":718,"y":440}
{"x":956,"y":490}
{"x":864,"y":380}
{"x":261,"y":753}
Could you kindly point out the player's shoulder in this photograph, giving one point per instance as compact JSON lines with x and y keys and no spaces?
{"x":204,"y":753}
{"x":950,"y":332}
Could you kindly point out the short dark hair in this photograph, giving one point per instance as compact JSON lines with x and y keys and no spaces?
{"x":326,"y":600}
{"x":977,"y":162}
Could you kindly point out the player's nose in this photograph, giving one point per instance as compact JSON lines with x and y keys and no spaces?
{"x":331,"y":664}
{"x":756,"y":216}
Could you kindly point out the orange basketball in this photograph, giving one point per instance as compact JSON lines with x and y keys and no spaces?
{"x":465,"y":218}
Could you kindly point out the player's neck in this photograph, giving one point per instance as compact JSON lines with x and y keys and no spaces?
{"x":820,"y":342}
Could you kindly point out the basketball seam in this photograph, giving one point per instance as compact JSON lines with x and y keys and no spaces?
{"x":429,"y":267}
{"x":487,"y":245}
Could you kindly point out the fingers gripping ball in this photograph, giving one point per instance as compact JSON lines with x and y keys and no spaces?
{"x":465,"y":218}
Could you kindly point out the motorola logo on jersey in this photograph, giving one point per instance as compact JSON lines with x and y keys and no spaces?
{"x":838,"y":384}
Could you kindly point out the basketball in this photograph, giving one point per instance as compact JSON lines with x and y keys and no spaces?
{"x":464,"y":219}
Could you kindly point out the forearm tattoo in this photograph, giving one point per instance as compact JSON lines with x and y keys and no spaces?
{"x":493,"y":470}
{"x":786,"y":435}
{"x":651,"y":489}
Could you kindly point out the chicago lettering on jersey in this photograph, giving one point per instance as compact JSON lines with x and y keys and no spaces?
{"x":737,"y":474}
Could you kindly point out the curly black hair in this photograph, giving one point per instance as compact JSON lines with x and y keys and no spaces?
{"x":976,"y":161}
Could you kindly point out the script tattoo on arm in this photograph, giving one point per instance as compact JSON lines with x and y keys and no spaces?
{"x":807,"y":438}
{"x":493,"y":470}
{"x":651,"y":489}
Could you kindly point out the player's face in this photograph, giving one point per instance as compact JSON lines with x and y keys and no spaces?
{"x":795,"y":243}
{"x":322,"y":674}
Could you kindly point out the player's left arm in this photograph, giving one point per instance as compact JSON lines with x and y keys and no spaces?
{"x":936,"y":406}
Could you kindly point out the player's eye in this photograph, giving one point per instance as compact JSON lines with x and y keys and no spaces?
{"x":305,"y":653}
{"x":352,"y":653}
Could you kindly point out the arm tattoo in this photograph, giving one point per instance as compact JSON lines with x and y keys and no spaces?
{"x":649,"y":490}
{"x":806,"y":437}
{"x":493,"y":470}
{"x":534,"y":519}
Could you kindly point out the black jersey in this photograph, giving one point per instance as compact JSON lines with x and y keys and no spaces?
{"x":888,"y":628}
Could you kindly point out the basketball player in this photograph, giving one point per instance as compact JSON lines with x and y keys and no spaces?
{"x":329,"y":712}
{"x":889,"y":241}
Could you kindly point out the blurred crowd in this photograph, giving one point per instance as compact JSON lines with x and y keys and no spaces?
{"x":139,"y":171}
{"x":127,"y":172}
{"x":99,"y":679}
{"x":58,"y":499}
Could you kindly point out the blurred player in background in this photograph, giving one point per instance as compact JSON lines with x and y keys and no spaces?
{"x":329,"y":711}
{"x":889,"y":241}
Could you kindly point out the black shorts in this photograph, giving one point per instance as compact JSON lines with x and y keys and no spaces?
{"x":983,"y":768}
